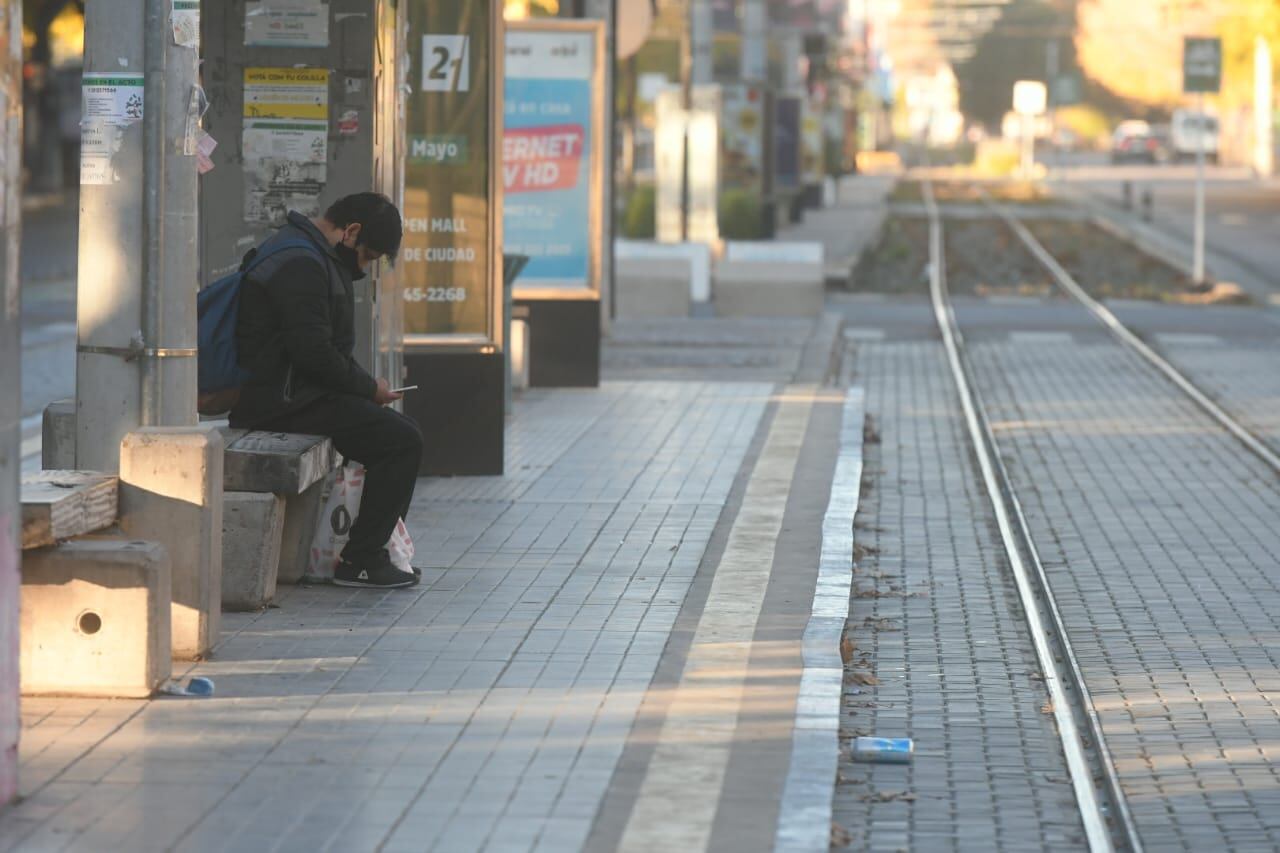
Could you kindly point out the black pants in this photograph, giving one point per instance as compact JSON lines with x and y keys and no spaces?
{"x":385,"y":442}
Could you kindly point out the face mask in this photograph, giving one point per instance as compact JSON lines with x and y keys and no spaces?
{"x":348,"y":256}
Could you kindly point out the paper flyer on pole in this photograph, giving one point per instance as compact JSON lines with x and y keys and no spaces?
{"x":111,"y":101}
{"x":284,"y":141}
{"x":185,"y":17}
{"x":547,"y":156}
{"x":286,"y":23}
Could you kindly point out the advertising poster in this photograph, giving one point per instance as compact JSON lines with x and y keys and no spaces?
{"x":811,"y":160}
{"x":550,"y":159}
{"x":786,"y":142}
{"x":447,"y":258}
{"x":284,"y":141}
{"x":742,"y":154}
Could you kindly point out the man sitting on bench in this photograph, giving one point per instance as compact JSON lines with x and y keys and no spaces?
{"x":296,"y":334}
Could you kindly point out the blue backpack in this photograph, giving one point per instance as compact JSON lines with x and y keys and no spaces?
{"x":217,"y":311}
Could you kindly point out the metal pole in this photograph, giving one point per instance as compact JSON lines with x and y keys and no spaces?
{"x":700,"y":37}
{"x":686,"y":104}
{"x":606,"y":10}
{"x":169,"y":305}
{"x":753,"y":41}
{"x":1263,"y":157}
{"x":1197,"y":264}
{"x":10,"y":391}
{"x":153,"y":202}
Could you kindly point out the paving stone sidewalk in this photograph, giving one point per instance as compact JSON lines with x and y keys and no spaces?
{"x":940,"y":652}
{"x":484,"y":710}
{"x":489,"y":707}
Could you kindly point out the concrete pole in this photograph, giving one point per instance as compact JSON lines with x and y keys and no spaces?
{"x":135,"y":311}
{"x":10,"y":387}
{"x":1263,"y":156}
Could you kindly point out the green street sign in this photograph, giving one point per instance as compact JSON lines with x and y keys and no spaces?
{"x":1064,"y":91}
{"x":1201,"y":65}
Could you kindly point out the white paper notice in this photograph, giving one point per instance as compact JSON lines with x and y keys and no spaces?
{"x":204,"y":151}
{"x":286,"y":23}
{"x":186,"y":23}
{"x":110,"y":103}
{"x":115,"y":97}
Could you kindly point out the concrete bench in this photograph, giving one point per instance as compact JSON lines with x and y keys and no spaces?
{"x":770,"y":279}
{"x":267,"y":540}
{"x":58,"y":505}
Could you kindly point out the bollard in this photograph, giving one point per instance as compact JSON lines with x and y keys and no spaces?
{"x":1126,"y":191}
{"x":1147,"y":203}
{"x":171,"y":492}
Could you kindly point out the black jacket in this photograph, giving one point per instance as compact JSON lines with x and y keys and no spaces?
{"x":296,"y":328}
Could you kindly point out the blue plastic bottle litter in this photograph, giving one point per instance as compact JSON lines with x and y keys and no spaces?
{"x":886,"y":750}
{"x":200,"y":686}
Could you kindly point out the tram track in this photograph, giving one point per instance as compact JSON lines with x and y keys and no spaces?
{"x":1104,"y":812}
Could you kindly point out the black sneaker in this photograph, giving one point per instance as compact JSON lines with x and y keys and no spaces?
{"x":374,"y":574}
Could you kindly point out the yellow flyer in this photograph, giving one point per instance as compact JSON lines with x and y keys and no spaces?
{"x":296,"y":93}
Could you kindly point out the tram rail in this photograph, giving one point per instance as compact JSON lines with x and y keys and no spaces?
{"x":1104,"y":812}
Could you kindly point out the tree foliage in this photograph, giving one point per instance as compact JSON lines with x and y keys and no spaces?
{"x":1015,"y":48}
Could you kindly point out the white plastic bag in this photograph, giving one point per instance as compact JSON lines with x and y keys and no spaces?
{"x":334,"y":527}
{"x":400,"y":547}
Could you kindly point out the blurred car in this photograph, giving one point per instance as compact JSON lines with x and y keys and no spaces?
{"x":1192,"y":131}
{"x":1134,"y":142}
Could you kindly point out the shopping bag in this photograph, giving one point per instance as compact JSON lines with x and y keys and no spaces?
{"x":400,"y":547}
{"x":334,"y":528}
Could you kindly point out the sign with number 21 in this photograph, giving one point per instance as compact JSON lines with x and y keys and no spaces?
{"x":446,"y":63}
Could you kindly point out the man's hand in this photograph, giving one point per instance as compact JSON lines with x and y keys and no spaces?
{"x":384,"y":394}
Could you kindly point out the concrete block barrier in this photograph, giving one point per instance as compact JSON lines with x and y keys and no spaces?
{"x":171,"y":493}
{"x":252,"y":527}
{"x":95,"y":619}
{"x":768,"y":278}
{"x":652,"y":287}
{"x":769,"y":289}
{"x":695,"y":257}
